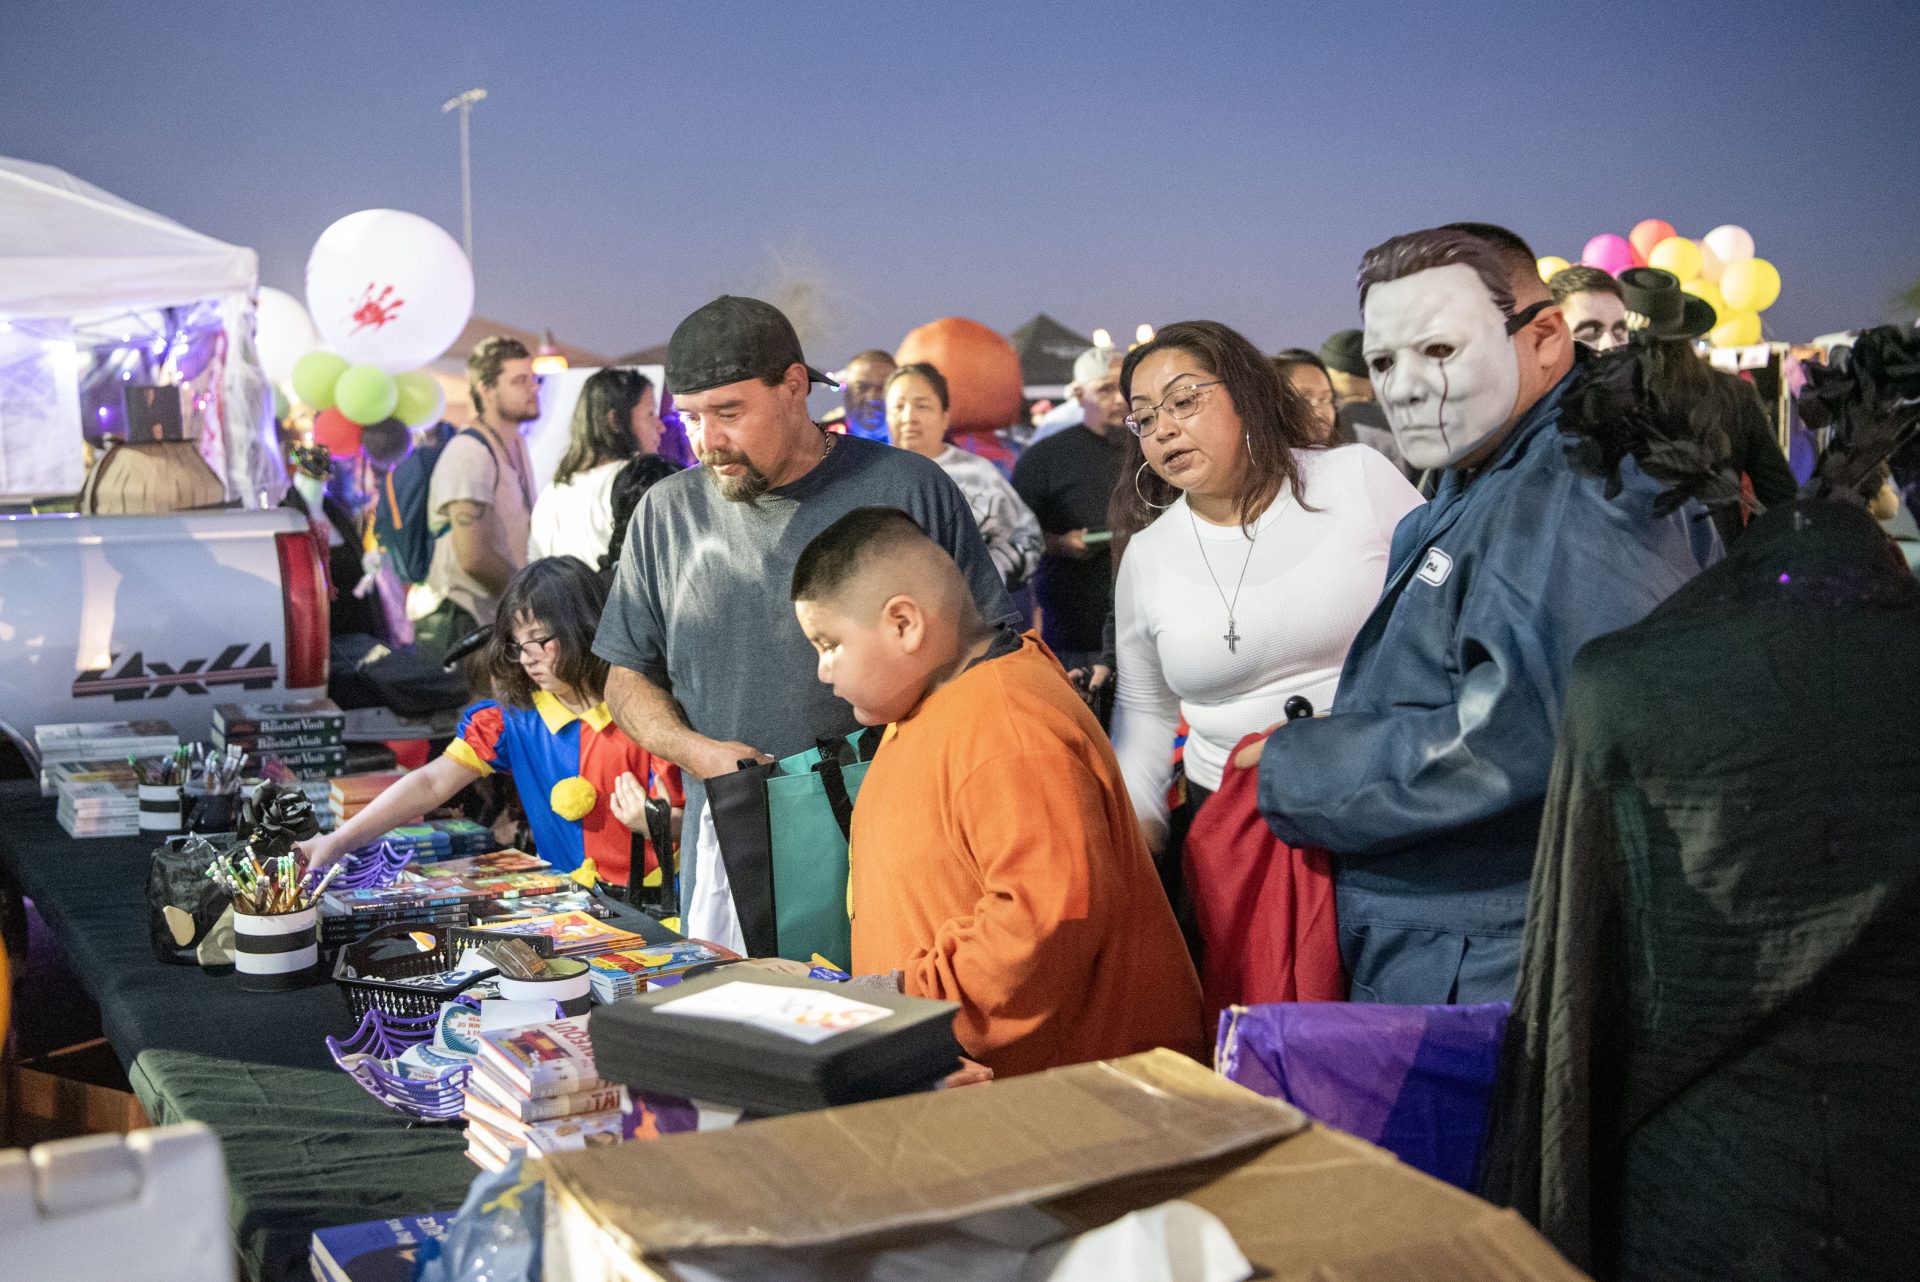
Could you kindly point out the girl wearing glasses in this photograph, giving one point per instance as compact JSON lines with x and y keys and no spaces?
{"x":1255,"y":555}
{"x":582,"y":782}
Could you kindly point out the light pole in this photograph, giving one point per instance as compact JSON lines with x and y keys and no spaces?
{"x":464,"y":101}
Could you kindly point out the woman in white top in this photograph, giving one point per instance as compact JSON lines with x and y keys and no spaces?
{"x":614,"y":420}
{"x":1260,"y":558}
{"x":917,"y":418}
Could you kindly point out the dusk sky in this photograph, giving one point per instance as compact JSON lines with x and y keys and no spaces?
{"x":1108,"y":163}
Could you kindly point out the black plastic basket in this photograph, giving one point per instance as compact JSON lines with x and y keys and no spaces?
{"x":370,"y":985}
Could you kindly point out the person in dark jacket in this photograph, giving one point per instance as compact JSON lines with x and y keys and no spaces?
{"x":1425,"y":783}
{"x":1669,"y":321}
{"x":1709,"y":1070}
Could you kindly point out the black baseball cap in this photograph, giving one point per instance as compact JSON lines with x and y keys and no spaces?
{"x":1342,"y":352}
{"x":730,"y":340}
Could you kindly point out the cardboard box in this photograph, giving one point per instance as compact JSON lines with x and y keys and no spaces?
{"x":978,"y":1178}
{"x":77,"y":1090}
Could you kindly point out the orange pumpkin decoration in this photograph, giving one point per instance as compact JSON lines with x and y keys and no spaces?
{"x":981,"y":367}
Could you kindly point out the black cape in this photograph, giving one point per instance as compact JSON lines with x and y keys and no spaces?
{"x":1712,"y":1066}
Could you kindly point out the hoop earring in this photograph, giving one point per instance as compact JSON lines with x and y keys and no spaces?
{"x":1158,"y":507}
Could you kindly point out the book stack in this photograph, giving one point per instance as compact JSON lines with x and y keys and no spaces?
{"x":348,"y":795}
{"x":569,"y":934}
{"x":535,"y":1088}
{"x":489,"y":863}
{"x":348,"y":915}
{"x":433,"y":840}
{"x":306,"y":737}
{"x":771,"y":1043}
{"x":100,"y":808}
{"x":377,"y":1251}
{"x":97,"y":741}
{"x":622,"y":974}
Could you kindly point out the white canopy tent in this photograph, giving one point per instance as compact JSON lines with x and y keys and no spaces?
{"x":82,"y":270}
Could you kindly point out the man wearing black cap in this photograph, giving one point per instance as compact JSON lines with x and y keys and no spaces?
{"x":709,"y":666}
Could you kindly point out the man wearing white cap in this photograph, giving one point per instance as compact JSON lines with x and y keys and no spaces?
{"x":1066,"y":479}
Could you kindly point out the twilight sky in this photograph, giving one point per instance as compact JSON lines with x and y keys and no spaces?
{"x":1109,"y":163}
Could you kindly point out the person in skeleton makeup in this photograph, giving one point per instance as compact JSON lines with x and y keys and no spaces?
{"x":1426,"y":781}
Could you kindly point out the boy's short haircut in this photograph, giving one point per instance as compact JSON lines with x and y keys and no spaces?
{"x":838,"y":552}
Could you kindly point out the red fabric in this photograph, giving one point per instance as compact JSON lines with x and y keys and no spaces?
{"x":409,"y":754}
{"x":1265,"y":909}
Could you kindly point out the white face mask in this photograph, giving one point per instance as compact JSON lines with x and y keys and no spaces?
{"x":1443,"y":365}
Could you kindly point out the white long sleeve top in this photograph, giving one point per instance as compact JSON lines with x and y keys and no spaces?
{"x":1311,"y":579}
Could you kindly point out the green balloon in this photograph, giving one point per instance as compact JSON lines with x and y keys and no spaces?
{"x":314,"y":376}
{"x":281,"y":406}
{"x":365,"y":394}
{"x":419,"y":397}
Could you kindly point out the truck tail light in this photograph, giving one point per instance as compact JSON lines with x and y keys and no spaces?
{"x":304,"y":583}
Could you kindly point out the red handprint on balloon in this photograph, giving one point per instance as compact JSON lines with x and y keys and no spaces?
{"x":373,"y":310}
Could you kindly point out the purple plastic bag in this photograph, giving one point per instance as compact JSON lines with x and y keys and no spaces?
{"x":1416,"y":1080}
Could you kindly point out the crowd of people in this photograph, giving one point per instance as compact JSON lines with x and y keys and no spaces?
{"x":1355,"y":575}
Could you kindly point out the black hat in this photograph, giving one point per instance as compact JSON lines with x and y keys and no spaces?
{"x":730,"y":340}
{"x":1342,"y":352}
{"x":1670,"y":312}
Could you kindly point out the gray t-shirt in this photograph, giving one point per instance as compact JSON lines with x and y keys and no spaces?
{"x":700,"y":604}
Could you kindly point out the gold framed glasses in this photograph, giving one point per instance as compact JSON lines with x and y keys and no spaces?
{"x":1181,"y":403}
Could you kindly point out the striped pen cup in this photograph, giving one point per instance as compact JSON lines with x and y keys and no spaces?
{"x":278,"y":952}
{"x":159,"y":807}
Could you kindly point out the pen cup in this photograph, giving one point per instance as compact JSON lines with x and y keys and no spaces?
{"x":203,"y":811}
{"x":568,"y":981}
{"x":159,"y":807}
{"x":274,"y":953}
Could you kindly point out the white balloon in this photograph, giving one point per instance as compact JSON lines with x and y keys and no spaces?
{"x":1729,"y":243}
{"x":282,"y":333}
{"x":1711,"y":264}
{"x":389,"y":288}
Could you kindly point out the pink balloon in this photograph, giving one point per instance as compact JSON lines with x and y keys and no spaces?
{"x":1608,"y":252}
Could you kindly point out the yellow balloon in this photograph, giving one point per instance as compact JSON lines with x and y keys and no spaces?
{"x":1736,"y":329}
{"x":1550,"y":264}
{"x":1706,"y":292}
{"x":1678,"y":255}
{"x":1750,"y":285}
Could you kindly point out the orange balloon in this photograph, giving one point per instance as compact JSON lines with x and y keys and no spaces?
{"x":340,"y":434}
{"x":1647,"y":233}
{"x":981,"y":368}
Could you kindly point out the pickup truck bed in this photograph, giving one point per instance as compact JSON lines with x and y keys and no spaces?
{"x":115,"y":618}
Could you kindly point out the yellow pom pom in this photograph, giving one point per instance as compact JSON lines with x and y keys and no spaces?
{"x":586,"y":874}
{"x":573,"y":798}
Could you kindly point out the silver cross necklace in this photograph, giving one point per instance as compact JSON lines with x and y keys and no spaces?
{"x":1232,"y":636}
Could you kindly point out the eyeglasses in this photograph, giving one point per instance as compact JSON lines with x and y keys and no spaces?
{"x":1180,"y":403}
{"x":538,"y":643}
{"x":1318,"y":402}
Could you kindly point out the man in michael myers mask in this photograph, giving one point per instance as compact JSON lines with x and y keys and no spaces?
{"x":1426,"y":781}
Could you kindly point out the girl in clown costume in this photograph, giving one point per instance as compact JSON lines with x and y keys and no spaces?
{"x":582,"y":782}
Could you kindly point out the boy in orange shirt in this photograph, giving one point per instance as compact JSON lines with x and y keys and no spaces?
{"x":996,"y":861}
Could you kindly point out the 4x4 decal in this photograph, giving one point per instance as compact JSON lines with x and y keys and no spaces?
{"x":137,"y":677}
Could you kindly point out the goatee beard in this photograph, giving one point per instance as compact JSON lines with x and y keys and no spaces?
{"x":746,"y":487}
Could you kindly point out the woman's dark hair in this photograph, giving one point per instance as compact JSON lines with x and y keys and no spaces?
{"x":603,"y":422}
{"x":563,"y":596}
{"x":1288,"y":358}
{"x":920,"y":369}
{"x":1277,"y":420}
{"x":630,"y":485}
{"x":1712,"y":402}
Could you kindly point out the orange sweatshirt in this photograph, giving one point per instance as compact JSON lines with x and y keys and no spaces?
{"x":997,"y":862}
